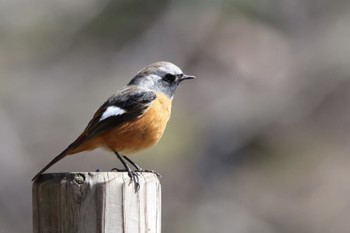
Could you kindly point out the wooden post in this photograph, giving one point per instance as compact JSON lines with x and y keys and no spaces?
{"x":96,"y":202}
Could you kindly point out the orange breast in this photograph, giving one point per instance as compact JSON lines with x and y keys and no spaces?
{"x":142,"y":132}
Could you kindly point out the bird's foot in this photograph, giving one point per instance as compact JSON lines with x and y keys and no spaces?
{"x":134,"y":177}
{"x":150,"y":171}
{"x":139,"y":169}
{"x":118,"y":170}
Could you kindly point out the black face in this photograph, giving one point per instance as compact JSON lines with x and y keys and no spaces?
{"x":168,"y":83}
{"x":173,"y":78}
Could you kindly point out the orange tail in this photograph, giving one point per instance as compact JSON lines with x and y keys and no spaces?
{"x":55,"y":160}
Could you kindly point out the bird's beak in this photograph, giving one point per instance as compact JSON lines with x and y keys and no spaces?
{"x":187,"y":77}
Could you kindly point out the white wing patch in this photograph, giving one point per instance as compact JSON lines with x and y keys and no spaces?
{"x":112,"y":111}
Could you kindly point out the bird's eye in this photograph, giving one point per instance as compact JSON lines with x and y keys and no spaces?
{"x":169,"y":78}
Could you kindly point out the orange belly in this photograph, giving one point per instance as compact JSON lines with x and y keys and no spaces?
{"x":137,"y":134}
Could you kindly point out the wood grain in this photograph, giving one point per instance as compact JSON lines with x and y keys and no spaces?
{"x":96,"y":202}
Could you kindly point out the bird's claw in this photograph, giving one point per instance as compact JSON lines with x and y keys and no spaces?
{"x":118,"y":170}
{"x":134,"y":177}
{"x":159,"y":176}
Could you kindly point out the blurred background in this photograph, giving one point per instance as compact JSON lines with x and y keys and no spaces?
{"x":258,"y":143}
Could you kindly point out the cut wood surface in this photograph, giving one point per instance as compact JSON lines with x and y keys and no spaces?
{"x":94,"y":202}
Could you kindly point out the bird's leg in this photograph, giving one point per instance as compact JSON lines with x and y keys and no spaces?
{"x":139,"y":169}
{"x":133,"y":175}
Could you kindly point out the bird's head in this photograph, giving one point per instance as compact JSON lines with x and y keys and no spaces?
{"x":160,"y":76}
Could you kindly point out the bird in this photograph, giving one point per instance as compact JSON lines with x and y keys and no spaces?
{"x":132,"y":119}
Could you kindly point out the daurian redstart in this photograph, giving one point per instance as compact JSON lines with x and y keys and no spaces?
{"x":132,"y":119}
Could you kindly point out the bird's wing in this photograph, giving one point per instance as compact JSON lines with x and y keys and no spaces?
{"x":129,"y":103}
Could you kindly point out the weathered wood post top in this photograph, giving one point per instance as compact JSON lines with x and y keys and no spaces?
{"x":96,"y":202}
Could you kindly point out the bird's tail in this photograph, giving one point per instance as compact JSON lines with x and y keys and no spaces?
{"x":55,"y":160}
